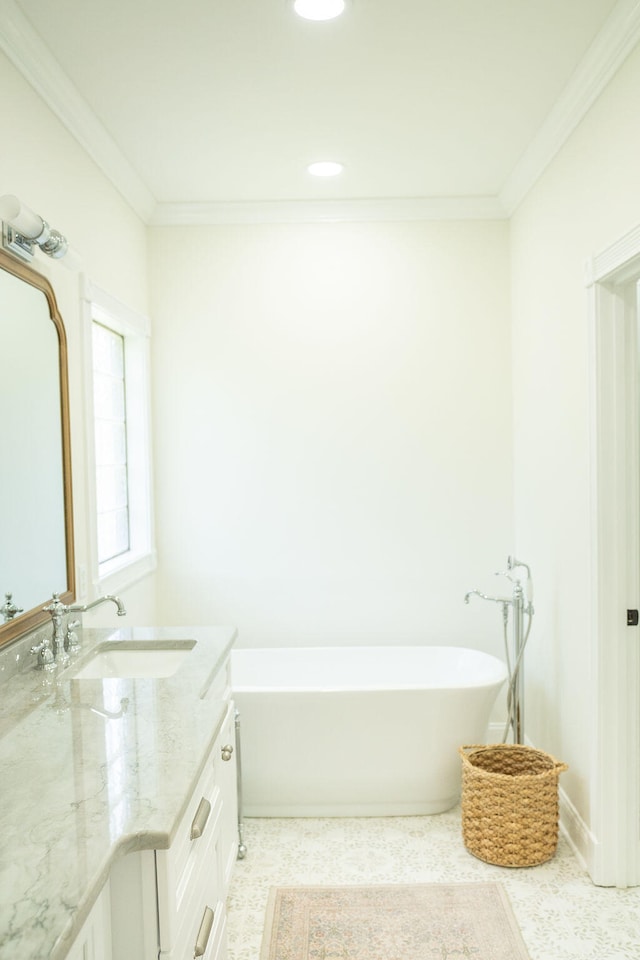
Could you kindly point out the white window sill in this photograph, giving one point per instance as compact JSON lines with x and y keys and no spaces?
{"x":122,"y":572}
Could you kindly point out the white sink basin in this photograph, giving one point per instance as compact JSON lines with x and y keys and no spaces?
{"x":125,"y":659}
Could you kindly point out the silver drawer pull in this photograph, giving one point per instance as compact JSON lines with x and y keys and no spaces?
{"x":200,"y":819}
{"x":227,"y":751}
{"x":203,"y":933}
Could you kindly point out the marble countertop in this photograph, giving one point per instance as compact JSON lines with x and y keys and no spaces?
{"x":90,"y":771}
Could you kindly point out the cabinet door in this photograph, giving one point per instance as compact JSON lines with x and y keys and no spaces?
{"x":94,"y":940}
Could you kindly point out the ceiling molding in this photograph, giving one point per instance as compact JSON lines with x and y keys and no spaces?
{"x":611,"y":47}
{"x":32,"y":58}
{"x":329,"y":211}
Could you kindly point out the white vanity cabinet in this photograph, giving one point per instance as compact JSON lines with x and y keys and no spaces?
{"x":140,"y":838}
{"x":193,"y":875}
{"x":171,"y":904}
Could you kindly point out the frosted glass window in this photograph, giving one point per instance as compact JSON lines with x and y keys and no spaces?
{"x":110,"y":427}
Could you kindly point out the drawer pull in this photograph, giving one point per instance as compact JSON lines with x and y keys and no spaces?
{"x":203,"y":933}
{"x":200,"y":819}
{"x":227,"y":751}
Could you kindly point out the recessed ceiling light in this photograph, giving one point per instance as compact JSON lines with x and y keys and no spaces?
{"x":325,"y":168}
{"x":319,"y":9}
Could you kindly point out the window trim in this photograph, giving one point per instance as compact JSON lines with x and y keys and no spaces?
{"x":125,"y":570}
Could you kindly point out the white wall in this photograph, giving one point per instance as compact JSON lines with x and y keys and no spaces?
{"x":333,"y":429}
{"x":43,"y":165}
{"x":586,"y":199}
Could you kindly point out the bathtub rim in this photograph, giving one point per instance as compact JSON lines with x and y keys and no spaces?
{"x":448,"y":684}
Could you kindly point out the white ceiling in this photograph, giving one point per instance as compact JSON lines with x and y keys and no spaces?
{"x":208,"y":105}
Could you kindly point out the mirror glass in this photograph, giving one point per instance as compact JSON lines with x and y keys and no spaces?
{"x":36,"y":546}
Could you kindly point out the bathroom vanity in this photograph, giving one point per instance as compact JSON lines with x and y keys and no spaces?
{"x":118,"y":797}
{"x":118,"y":807}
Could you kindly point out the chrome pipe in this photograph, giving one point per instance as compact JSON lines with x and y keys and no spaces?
{"x":242,"y":850}
{"x":518,"y":680}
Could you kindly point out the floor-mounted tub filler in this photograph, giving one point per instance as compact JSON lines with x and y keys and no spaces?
{"x":359,"y":731}
{"x":521,"y":604}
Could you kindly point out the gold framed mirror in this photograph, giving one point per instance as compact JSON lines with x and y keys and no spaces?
{"x":36,"y":545}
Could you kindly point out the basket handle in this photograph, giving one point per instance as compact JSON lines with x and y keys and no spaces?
{"x":468,"y":749}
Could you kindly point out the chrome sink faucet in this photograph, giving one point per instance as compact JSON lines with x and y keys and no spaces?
{"x":50,"y":653}
{"x":83,"y":607}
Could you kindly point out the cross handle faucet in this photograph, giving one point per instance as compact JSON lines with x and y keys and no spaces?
{"x":48,"y":655}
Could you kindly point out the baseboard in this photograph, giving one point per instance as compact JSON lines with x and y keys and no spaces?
{"x":577,"y":833}
{"x":393,"y":808}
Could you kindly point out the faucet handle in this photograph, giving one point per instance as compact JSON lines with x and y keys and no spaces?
{"x":9,"y":610}
{"x":72,"y":643}
{"x":46,"y":660}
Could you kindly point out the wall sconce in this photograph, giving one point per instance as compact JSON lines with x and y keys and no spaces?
{"x":22,"y":228}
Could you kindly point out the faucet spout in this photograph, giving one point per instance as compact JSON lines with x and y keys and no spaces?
{"x":83,"y":607}
{"x":483,"y":596}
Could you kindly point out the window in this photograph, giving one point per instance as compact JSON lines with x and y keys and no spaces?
{"x":110,"y":431}
{"x":121,"y":524}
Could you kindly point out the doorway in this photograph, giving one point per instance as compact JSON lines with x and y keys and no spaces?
{"x":613,"y":284}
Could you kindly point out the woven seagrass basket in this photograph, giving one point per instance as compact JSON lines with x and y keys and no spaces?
{"x":510,"y":803}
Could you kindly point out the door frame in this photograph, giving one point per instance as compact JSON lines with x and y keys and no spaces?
{"x":612,"y":282}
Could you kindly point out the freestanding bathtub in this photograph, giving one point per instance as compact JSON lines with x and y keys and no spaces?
{"x":359,"y":731}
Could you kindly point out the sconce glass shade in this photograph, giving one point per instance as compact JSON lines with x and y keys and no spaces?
{"x":31,"y":229}
{"x":319,"y":9}
{"x":24,"y":220}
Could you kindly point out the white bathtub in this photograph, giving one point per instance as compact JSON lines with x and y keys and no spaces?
{"x":358,"y":731}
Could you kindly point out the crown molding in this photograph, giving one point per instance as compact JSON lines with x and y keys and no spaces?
{"x":328,"y":211}
{"x":22,"y":45}
{"x":611,"y":47}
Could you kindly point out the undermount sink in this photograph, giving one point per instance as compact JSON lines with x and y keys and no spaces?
{"x":135,"y":661}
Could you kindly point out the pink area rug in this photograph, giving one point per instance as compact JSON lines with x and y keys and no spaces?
{"x":432,"y":921}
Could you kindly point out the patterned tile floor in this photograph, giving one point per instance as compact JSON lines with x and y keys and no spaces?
{"x":561,"y":914}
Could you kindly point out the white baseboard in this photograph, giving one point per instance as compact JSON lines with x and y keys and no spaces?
{"x":577,"y":833}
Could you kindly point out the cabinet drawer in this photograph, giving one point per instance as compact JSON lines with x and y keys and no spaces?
{"x":204,"y":893}
{"x":205,"y":938}
{"x":189,"y":869}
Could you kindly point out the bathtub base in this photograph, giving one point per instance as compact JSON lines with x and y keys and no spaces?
{"x":350,"y":809}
